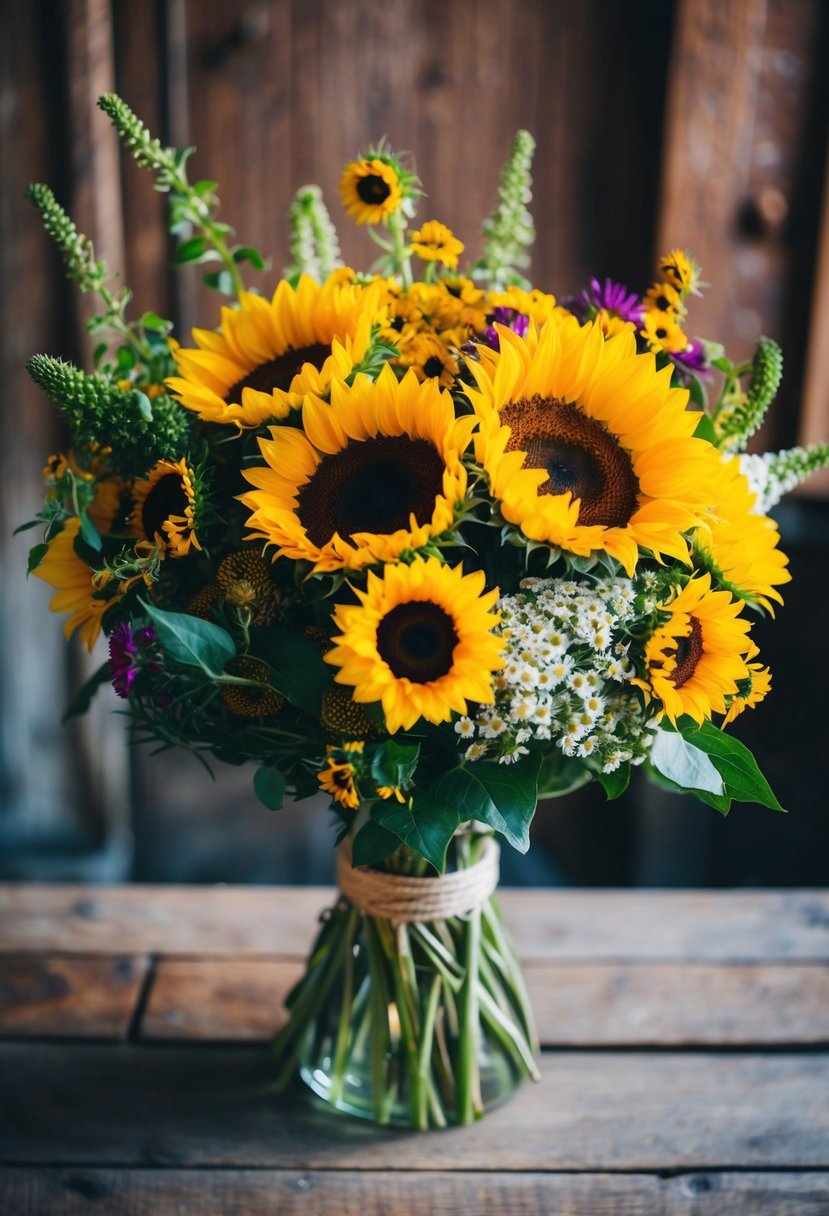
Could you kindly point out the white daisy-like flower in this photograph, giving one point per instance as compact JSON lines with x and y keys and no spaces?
{"x":475,"y":751}
{"x":465,"y":727}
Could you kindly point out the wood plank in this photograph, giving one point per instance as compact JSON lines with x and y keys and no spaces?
{"x":646,"y":925}
{"x":42,"y":1192}
{"x":576,"y":1005}
{"x":189,"y":1106}
{"x":87,"y":997}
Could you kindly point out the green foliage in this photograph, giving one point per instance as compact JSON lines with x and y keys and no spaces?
{"x":740,"y":414}
{"x":269,"y":785}
{"x":509,"y":231}
{"x":315,"y":249}
{"x":394,"y":764}
{"x":426,"y":827}
{"x":614,"y":784}
{"x":296,"y":664}
{"x":373,"y":844}
{"x":504,"y":796}
{"x":716,"y":767}
{"x":192,"y":641}
{"x":138,"y":431}
{"x":740,"y":774}
{"x":684,"y":764}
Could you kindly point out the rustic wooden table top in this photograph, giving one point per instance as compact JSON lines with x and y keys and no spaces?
{"x":685,"y":1066}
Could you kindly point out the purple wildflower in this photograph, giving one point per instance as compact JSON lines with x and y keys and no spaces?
{"x":516,"y":321}
{"x":125,"y":658}
{"x":606,"y":297}
{"x":691,"y":361}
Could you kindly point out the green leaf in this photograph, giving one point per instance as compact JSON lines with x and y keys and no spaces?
{"x":720,"y":802}
{"x":705,"y":429}
{"x":614,"y":784}
{"x":395,"y":763}
{"x":151,"y":320}
{"x":298,"y":670}
{"x":124,"y":359}
{"x":697,"y":394}
{"x":90,"y":533}
{"x":560,"y":774}
{"x":143,"y":404}
{"x":735,"y":764}
{"x":192,"y":641}
{"x":219,"y":280}
{"x":83,"y":698}
{"x":426,"y":828}
{"x":27,"y":527}
{"x":269,"y":786}
{"x":245,"y":253}
{"x":684,"y":764}
{"x":191,"y":250}
{"x":373,"y":843}
{"x":504,"y":796}
{"x":99,"y":352}
{"x":36,"y":556}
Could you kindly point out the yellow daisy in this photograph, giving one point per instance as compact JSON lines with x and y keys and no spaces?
{"x":62,"y":569}
{"x":370,"y":190}
{"x":434,"y":242}
{"x":664,"y":299}
{"x":374,"y":473}
{"x":739,"y":546}
{"x":587,"y":446}
{"x":267,"y":354}
{"x":662,"y":331}
{"x":164,"y":509}
{"x":680,"y":270}
{"x":419,"y":642}
{"x":696,"y":660}
{"x":428,"y":357}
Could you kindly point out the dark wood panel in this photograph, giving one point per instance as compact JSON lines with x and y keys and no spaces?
{"x":681,"y":926}
{"x":186,"y":1106}
{"x":68,"y":997}
{"x":43,"y":1192}
{"x":586,"y":1004}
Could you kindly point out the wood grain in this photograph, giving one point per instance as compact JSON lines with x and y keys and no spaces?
{"x":189,"y":1106}
{"x":634,"y":926}
{"x":78,"y":1192}
{"x":88,"y":997}
{"x":576,"y":1005}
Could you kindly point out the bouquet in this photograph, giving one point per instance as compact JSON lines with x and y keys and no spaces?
{"x":431,"y":541}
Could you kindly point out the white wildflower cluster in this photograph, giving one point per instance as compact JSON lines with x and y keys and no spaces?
{"x":773,"y":474}
{"x":567,"y":677}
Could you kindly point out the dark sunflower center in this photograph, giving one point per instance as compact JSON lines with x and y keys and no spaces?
{"x":580,"y":456}
{"x":432,"y":366}
{"x":371,"y":486}
{"x":341,"y":778}
{"x":278,"y":373}
{"x":417,"y":640}
{"x":688,"y":653}
{"x":373,"y":189}
{"x":662,"y":303}
{"x":167,"y":497}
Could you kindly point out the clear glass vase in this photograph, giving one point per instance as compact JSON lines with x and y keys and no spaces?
{"x":418,"y":1024}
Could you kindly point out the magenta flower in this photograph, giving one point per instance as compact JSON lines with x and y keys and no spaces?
{"x":606,"y":297}
{"x":125,"y":655}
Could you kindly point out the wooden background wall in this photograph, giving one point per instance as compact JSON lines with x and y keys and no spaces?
{"x":690,"y":122}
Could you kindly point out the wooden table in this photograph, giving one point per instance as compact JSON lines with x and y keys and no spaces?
{"x":685,"y":1070}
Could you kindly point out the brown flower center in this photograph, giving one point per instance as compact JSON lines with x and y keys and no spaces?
{"x":278,"y":373}
{"x":167,"y":497}
{"x":433,"y":366}
{"x":580,"y":456}
{"x":371,"y":486}
{"x":688,"y":653}
{"x":373,"y":189}
{"x":417,"y":640}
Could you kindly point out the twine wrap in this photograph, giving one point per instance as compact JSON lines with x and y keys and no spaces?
{"x":405,"y":900}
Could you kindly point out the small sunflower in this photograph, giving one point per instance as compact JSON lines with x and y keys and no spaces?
{"x":72,"y":578}
{"x":434,"y":242}
{"x":740,"y":546}
{"x":267,"y":354}
{"x":339,"y":777}
{"x":374,"y":473}
{"x":429,"y":358}
{"x":164,"y":510}
{"x":750,"y":692}
{"x":371,"y":189}
{"x":663,"y":299}
{"x":251,"y":701}
{"x":587,"y":446}
{"x":680,"y":270}
{"x":696,"y":660}
{"x":420,"y":642}
{"x":662,"y":332}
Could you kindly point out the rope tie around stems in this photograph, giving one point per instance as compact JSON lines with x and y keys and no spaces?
{"x":405,"y":900}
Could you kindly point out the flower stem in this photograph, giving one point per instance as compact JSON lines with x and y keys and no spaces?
{"x":467,"y":1072}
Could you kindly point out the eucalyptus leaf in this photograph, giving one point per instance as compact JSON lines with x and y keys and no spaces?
{"x":504,"y":796}
{"x":192,"y":641}
{"x":269,"y":785}
{"x":683,"y":764}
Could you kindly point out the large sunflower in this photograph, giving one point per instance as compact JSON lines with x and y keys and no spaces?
{"x":374,"y":473}
{"x":63,"y":569}
{"x":587,"y":446}
{"x":696,"y":660}
{"x":419,"y":642}
{"x":164,"y":509}
{"x":267,"y":354}
{"x":740,"y":546}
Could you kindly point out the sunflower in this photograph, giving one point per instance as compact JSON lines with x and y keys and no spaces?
{"x":739,"y":546}
{"x":339,"y":777}
{"x":419,"y":642}
{"x":663,"y":299}
{"x":662,"y":332}
{"x":429,"y":358}
{"x":63,"y":569}
{"x":374,"y":473}
{"x":587,"y":446}
{"x":696,"y":660}
{"x":370,"y":190}
{"x":680,"y":270}
{"x":164,"y":509}
{"x":539,"y":306}
{"x":245,"y":582}
{"x":267,"y":354}
{"x":434,"y":242}
{"x":750,"y":692}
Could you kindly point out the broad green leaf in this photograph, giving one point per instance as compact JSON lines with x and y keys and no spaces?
{"x":83,"y":698}
{"x":684,"y":764}
{"x":296,"y":665}
{"x":151,"y":320}
{"x":504,"y":796}
{"x":191,"y":640}
{"x":561,"y":774}
{"x":124,"y":358}
{"x":614,"y":784}
{"x":720,"y":802}
{"x":373,"y":843}
{"x":36,"y":556}
{"x":737,"y":767}
{"x":269,"y":786}
{"x":245,"y":253}
{"x":90,"y":533}
{"x":426,"y":828}
{"x":394,"y":763}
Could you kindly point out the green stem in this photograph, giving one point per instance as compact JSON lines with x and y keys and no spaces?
{"x":344,"y":1027}
{"x":380,"y":1037}
{"x":427,"y":1034}
{"x":467,"y":1072}
{"x":397,"y":230}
